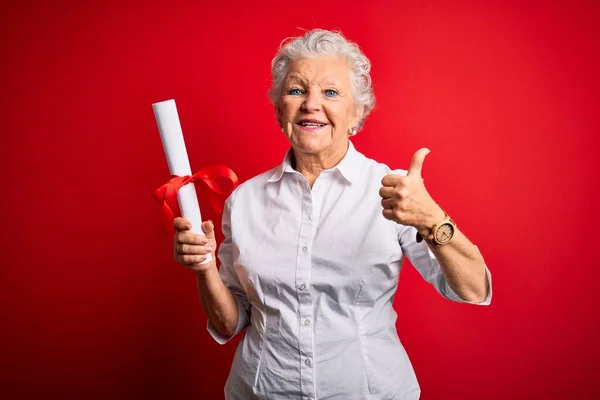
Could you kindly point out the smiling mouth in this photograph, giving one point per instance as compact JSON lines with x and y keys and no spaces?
{"x":310,"y":123}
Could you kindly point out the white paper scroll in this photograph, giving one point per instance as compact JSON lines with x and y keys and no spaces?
{"x":171,"y":135}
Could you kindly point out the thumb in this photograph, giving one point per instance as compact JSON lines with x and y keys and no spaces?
{"x":416,"y":165}
{"x":209,"y":229}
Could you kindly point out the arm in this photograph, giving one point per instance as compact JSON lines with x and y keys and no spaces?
{"x":406,"y":201}
{"x":463,"y":267}
{"x":221,"y":294}
{"x":218,"y":303}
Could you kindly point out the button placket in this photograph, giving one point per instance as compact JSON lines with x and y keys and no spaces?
{"x":305,"y":303}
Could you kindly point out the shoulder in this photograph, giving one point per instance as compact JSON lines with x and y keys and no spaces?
{"x":250,"y":187}
{"x":376,"y":169}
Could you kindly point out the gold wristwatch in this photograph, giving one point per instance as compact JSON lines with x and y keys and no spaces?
{"x":441,"y":233}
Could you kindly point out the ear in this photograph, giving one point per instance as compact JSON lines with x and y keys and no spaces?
{"x":358,"y":114}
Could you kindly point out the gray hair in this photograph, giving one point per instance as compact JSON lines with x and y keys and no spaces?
{"x":320,"y":42}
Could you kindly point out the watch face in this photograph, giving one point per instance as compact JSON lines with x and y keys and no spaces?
{"x":444,"y":233}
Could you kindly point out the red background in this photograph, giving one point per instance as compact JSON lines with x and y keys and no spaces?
{"x":504,"y":94}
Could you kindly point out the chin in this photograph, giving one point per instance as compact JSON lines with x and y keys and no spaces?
{"x":311,"y":145}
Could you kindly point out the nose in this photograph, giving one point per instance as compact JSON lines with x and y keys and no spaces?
{"x":312,"y":101}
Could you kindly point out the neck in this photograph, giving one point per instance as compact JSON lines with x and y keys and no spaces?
{"x":311,"y":165}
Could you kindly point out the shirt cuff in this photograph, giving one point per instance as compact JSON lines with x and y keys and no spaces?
{"x":243,"y":321}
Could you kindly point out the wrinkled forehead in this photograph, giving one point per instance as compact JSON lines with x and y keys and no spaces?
{"x":324,"y":70}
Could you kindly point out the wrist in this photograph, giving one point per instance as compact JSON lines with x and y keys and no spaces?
{"x":206,"y":272}
{"x":440,"y":233}
{"x":434,"y":218}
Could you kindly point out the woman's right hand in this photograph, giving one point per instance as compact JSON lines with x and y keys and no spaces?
{"x":189,"y":248}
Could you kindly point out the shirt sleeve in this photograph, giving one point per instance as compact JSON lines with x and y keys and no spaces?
{"x":423,"y":259}
{"x":230,"y":278}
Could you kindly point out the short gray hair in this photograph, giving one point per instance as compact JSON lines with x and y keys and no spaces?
{"x":320,"y":42}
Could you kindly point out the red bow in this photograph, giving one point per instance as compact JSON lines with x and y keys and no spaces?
{"x":167,"y":193}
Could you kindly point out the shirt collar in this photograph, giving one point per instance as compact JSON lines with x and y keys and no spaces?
{"x":349,"y":166}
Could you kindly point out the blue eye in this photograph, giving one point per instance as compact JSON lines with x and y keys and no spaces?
{"x":295,"y":92}
{"x":331,"y":93}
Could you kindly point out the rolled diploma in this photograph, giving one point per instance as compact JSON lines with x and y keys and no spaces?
{"x":171,"y":135}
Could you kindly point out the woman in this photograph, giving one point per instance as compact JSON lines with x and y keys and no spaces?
{"x":313,"y":248}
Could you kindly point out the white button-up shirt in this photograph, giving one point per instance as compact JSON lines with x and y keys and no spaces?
{"x":314,"y":273}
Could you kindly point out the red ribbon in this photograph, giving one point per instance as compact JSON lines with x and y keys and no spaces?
{"x":167,"y":193}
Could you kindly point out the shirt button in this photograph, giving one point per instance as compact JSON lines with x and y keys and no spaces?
{"x":306,"y":322}
{"x":308,"y":362}
{"x":304,"y":249}
{"x":302,"y":286}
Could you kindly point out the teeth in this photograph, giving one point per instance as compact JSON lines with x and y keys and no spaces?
{"x":311,"y":124}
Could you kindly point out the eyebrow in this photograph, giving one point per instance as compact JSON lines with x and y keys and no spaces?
{"x":327,"y":81}
{"x":293,"y":77}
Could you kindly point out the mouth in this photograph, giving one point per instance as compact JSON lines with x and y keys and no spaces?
{"x":310,"y":124}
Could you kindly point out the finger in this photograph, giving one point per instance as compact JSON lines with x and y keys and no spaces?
{"x":182,"y":224}
{"x":189,"y":260}
{"x":391,"y":180}
{"x":389,"y":214}
{"x":391,"y":191}
{"x":399,"y":192}
{"x":209,"y":229}
{"x":386,"y":192}
{"x":389,"y":203}
{"x":192,"y":249}
{"x":187,"y":237}
{"x":416,"y":164}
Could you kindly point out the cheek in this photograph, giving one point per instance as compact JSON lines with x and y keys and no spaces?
{"x":337,"y":114}
{"x":288,"y":108}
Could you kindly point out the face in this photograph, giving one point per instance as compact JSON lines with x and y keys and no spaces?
{"x":317,"y":110}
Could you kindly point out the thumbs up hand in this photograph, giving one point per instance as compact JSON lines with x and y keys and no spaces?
{"x":405,"y":199}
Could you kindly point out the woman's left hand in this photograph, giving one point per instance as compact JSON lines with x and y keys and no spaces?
{"x":405,"y":199}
